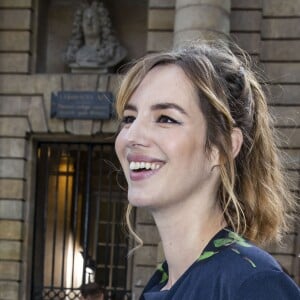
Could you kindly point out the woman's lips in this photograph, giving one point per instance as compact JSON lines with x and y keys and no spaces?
{"x":142,"y":167}
{"x":136,"y":175}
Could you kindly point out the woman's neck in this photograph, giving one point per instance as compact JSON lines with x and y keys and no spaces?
{"x":185,"y":235}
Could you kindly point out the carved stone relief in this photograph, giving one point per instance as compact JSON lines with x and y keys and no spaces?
{"x":93,"y":47}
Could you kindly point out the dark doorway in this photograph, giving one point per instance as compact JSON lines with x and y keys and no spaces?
{"x":78,"y":233}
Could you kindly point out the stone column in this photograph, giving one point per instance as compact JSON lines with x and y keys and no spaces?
{"x":201,"y":19}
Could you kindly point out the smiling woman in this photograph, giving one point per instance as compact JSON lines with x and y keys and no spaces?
{"x":197,"y":150}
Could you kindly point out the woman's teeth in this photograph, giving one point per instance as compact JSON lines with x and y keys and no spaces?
{"x":143,"y":165}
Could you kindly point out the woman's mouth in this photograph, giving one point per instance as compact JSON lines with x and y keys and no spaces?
{"x":141,"y":165}
{"x":140,"y":170}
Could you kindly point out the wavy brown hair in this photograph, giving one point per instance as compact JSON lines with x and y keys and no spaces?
{"x":253,"y":194}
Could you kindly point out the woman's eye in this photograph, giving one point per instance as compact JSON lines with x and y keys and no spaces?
{"x":128,"y":119}
{"x":166,"y":119}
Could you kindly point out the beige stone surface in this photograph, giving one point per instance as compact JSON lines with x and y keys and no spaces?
{"x":9,"y":290}
{"x":223,"y":4}
{"x":248,"y":41}
{"x":160,"y":3}
{"x":110,"y":126}
{"x":284,"y":94}
{"x":82,"y":82}
{"x":184,"y":36}
{"x":16,"y":3}
{"x":280,"y":28}
{"x":9,"y":270}
{"x":114,"y":83}
{"x":79,"y":127}
{"x":11,"y":209}
{"x":282,"y":72}
{"x":14,"y":41}
{"x":158,"y":41}
{"x":289,"y":137}
{"x":286,"y":115}
{"x":13,"y":126}
{"x":142,"y":275}
{"x":161,"y":19}
{"x":286,"y":246}
{"x":10,"y":250}
{"x":18,"y":84}
{"x":37,"y":115}
{"x":246,"y":4}
{"x":11,"y":19}
{"x":148,"y":233}
{"x":46,"y":84}
{"x":102,"y":86}
{"x":144,"y":216}
{"x":201,"y":17}
{"x":14,"y":62}
{"x":12,"y":147}
{"x":245,"y":20}
{"x":280,"y":8}
{"x":11,"y":188}
{"x":280,"y":51}
{"x":146,"y":256}
{"x":12,"y":168}
{"x":10,"y":230}
{"x":291,"y":158}
{"x":293,"y":179}
{"x":14,"y":105}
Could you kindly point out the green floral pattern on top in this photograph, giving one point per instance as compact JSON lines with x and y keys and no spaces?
{"x":227,"y":241}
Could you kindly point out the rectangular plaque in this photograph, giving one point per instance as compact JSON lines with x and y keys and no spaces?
{"x":82,"y":105}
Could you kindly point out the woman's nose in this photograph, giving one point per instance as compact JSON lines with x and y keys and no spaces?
{"x":139,"y":133}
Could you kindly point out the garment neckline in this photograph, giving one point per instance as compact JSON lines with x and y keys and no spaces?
{"x":221,"y":240}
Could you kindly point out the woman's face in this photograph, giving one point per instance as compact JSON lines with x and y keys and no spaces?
{"x":161,"y":145}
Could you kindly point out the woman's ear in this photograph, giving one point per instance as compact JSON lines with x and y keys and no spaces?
{"x":236,"y":141}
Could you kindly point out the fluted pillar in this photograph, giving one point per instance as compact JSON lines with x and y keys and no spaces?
{"x":201,"y":19}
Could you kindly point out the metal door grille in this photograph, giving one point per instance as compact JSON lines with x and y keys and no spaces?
{"x":79,"y":234}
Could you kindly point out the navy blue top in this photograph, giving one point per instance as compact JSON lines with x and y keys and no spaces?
{"x":229,"y":268}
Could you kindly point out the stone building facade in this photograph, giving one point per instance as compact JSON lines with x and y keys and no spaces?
{"x":31,"y":33}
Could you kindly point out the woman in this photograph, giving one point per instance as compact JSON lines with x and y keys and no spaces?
{"x":197,"y":151}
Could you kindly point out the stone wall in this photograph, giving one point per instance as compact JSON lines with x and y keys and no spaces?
{"x":24,"y":114}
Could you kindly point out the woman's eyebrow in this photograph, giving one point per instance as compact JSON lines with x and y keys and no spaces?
{"x":168,"y":105}
{"x":130,"y":107}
